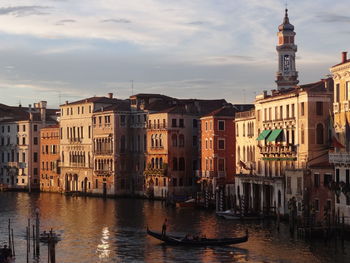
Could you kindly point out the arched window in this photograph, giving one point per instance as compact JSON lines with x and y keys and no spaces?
{"x":243,"y":129}
{"x":181,"y":140}
{"x":152,"y":162}
{"x":302,"y":135}
{"x":238,"y":153}
{"x":279,"y":198}
{"x":319,"y":134}
{"x":157,"y":163}
{"x":156,"y":140}
{"x":244,"y":153}
{"x":174,"y":164}
{"x":161,"y":163}
{"x":182,"y":164}
{"x":174,"y":139}
{"x":160,"y":141}
{"x":152,"y":141}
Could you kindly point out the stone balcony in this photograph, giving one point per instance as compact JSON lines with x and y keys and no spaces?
{"x":339,"y":158}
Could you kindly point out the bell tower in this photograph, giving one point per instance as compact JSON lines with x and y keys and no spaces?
{"x":286,"y":76}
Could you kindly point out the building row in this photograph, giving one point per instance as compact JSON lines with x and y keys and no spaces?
{"x":287,"y":152}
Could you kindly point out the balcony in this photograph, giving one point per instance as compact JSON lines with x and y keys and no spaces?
{"x":336,"y":107}
{"x":160,"y":126}
{"x":156,"y":171}
{"x":106,"y":152}
{"x":105,"y":173}
{"x":339,"y":158}
{"x":278,"y":149}
{"x":75,"y":140}
{"x":19,"y":165}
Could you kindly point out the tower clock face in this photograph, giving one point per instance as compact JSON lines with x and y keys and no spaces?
{"x":286,"y":63}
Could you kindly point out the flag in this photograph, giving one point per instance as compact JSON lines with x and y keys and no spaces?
{"x":334,"y":138}
{"x":242,"y":164}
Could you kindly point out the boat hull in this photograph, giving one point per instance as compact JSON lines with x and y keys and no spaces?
{"x":177,"y":240}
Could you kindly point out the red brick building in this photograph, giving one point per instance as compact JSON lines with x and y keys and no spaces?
{"x":218,"y":151}
{"x":49,"y":158}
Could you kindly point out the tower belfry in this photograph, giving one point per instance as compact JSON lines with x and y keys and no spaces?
{"x":286,"y":76}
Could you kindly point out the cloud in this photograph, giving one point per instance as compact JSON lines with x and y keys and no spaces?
{"x":65,"y":21}
{"x":24,"y":10}
{"x":333,"y":18}
{"x":117,"y":21}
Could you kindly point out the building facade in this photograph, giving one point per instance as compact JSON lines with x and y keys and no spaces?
{"x":340,"y":155}
{"x":49,"y":159}
{"x":20,"y":144}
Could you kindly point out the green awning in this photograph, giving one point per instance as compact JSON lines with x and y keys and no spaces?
{"x":274,"y":135}
{"x":263,"y":135}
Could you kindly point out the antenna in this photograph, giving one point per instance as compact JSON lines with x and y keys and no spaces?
{"x":286,"y":4}
{"x":132,"y":87}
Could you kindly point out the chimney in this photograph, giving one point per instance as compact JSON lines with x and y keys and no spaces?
{"x":30,"y":107}
{"x":344,"y":56}
{"x":265,"y":93}
{"x":43,"y":110}
{"x":110,"y":95}
{"x":66,"y":101}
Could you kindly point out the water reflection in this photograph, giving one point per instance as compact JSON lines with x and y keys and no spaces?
{"x":97,"y":230}
{"x":103,"y":249}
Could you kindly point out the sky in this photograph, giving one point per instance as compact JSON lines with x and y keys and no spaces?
{"x":66,"y":50}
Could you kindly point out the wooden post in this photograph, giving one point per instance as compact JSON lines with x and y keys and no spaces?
{"x":27,"y":230}
{"x":13,"y":244}
{"x":33,"y":241}
{"x":9,"y":227}
{"x":342,"y":232}
{"x":29,"y":234}
{"x":37,"y":222}
{"x":48,"y":247}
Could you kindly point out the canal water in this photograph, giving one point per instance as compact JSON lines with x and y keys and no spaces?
{"x":114,"y":230}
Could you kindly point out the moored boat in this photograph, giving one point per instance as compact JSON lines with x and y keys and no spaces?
{"x":188,"y":203}
{"x":197,"y":241}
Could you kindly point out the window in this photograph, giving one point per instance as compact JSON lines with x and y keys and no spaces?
{"x":317,"y":205}
{"x":347,"y":177}
{"x":174,"y":164}
{"x":221,"y":125}
{"x":289,"y":185}
{"x":281,"y":112}
{"x":181,"y":123}
{"x":122,"y":120}
{"x":337,"y":175}
{"x":24,"y":128}
{"x":221,"y":164}
{"x":287,"y":112}
{"x":319,"y":134}
{"x":35,"y":140}
{"x":221,"y":144}
{"x":23,"y":141}
{"x":194,"y":141}
{"x":173,"y":123}
{"x":122,"y":144}
{"x":302,"y":134}
{"x":195,"y":123}
{"x":211,"y":144}
{"x":302,"y":109}
{"x":319,"y":108}
{"x":237,"y":130}
{"x":299,"y":185}
{"x":181,"y":140}
{"x":206,"y":125}
{"x":174,"y":140}
{"x":316,"y":180}
{"x":35,"y":127}
{"x":181,"y":164}
{"x":327,"y":178}
{"x":293,"y":111}
{"x":337,"y":92}
{"x":258,"y":115}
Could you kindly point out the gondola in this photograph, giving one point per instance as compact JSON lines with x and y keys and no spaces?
{"x":200,"y":241}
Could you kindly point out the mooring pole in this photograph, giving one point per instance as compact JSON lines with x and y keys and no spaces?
{"x":29,"y":234}
{"x":27,"y":230}
{"x":13,"y":244}
{"x":37,"y":236}
{"x":9,"y":230}
{"x":33,"y":227}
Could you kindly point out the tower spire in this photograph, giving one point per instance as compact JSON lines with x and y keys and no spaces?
{"x":286,"y":76}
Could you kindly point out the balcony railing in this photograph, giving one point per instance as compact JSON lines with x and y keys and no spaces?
{"x":75,"y":140}
{"x":156,"y":171}
{"x":106,"y":152}
{"x":278,"y":149}
{"x":339,"y":158}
